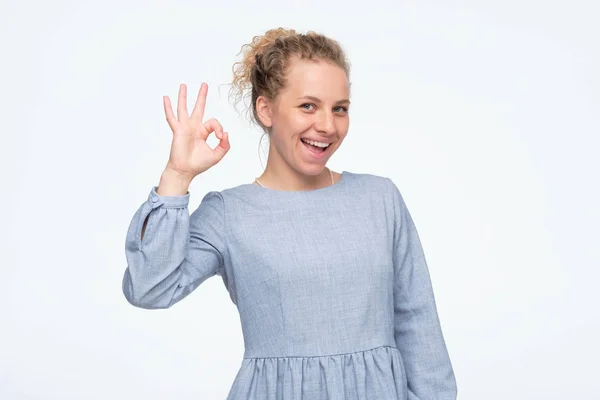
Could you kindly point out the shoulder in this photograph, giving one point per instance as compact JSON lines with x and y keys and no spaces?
{"x":222,"y":195}
{"x":370,"y":181}
{"x":382,"y":187}
{"x":235,"y":200}
{"x":350,"y":182}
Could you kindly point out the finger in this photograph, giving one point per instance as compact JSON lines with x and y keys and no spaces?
{"x":212,"y":125}
{"x":198,"y":111}
{"x":182,"y":113}
{"x":169,"y":112}
{"x":223,"y":147}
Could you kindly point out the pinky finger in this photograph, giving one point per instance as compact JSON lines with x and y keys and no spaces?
{"x":169,"y":113}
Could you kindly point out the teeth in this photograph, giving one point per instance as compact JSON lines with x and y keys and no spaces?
{"x":312,"y":142}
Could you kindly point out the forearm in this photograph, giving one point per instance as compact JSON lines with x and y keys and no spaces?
{"x":421,"y":343}
{"x":155,"y":252}
{"x":173,"y":183}
{"x":177,"y":252}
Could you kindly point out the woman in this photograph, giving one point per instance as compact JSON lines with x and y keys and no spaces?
{"x":326,"y":269}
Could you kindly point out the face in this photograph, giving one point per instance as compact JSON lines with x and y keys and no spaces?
{"x":309,"y":119}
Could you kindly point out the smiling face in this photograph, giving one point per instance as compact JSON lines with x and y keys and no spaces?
{"x":308,"y":120}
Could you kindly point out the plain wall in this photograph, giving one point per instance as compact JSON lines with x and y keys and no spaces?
{"x":484,"y":113}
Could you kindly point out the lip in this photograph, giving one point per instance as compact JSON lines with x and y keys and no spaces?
{"x":316,"y":156}
{"x":316,"y":140}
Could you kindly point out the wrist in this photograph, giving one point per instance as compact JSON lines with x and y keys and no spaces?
{"x":173,"y":183}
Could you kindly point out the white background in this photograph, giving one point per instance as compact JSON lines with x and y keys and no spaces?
{"x":484,"y":113}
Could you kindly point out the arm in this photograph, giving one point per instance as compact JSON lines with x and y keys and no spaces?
{"x":417,"y":327}
{"x":177,"y":251}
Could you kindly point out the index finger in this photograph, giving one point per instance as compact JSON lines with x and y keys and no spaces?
{"x":171,"y":120}
{"x":198,"y":111}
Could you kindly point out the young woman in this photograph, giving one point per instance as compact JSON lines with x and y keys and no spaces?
{"x":325,"y":268}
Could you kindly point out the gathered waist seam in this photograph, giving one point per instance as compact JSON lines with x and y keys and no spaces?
{"x":322,"y":355}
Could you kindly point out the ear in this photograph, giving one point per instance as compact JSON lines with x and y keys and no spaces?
{"x":264,"y":109}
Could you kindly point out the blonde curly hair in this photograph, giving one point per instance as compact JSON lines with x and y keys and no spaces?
{"x":261,"y":72}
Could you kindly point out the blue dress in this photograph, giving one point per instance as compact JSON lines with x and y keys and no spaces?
{"x":332,"y":287}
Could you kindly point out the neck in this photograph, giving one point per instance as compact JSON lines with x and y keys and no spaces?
{"x":280,"y":175}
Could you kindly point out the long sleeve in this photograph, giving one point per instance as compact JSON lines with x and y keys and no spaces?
{"x":178,"y":251}
{"x":417,"y":329}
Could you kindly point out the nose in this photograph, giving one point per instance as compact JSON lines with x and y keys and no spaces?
{"x":325,"y":122}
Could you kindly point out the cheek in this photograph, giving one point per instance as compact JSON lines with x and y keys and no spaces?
{"x":292,"y":122}
{"x":299,"y":122}
{"x":342,"y":126}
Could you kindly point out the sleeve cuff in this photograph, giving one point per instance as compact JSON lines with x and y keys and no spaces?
{"x":156,"y":201}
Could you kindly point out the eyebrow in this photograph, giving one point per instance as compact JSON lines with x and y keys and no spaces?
{"x":316,"y":99}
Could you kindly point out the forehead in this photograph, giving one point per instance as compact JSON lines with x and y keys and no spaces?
{"x":317,"y":78}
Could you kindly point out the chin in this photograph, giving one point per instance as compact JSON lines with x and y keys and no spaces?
{"x":310,"y":169}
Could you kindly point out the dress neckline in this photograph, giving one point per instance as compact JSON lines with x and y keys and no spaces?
{"x":341,"y":181}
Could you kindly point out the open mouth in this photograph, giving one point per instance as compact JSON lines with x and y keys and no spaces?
{"x":315,"y":147}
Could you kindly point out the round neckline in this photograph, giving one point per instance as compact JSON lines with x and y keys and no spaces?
{"x":325,"y":188}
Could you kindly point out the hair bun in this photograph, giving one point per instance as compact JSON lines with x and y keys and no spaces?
{"x":252,"y":52}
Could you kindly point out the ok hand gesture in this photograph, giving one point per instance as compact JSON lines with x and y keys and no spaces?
{"x":190,"y":154}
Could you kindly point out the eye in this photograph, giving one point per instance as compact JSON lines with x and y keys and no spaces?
{"x":304,"y":106}
{"x":341,"y":109}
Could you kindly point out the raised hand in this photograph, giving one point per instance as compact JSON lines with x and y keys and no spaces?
{"x":190,"y":154}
